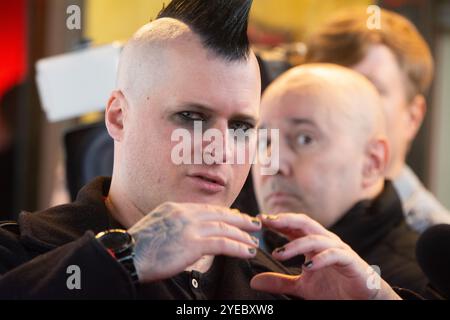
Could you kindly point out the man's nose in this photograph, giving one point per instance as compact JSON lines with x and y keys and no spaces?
{"x":286,"y":160}
{"x":224,"y":150}
{"x":280,"y":151}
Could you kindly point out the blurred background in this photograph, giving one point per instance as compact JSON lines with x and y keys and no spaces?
{"x":36,"y":153}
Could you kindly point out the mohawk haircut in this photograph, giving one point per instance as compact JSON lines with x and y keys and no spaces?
{"x":221,"y":24}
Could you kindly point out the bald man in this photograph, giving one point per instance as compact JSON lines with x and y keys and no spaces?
{"x":163,"y":230}
{"x":333,"y":157}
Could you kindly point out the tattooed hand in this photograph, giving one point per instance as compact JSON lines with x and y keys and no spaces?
{"x":176,"y":235}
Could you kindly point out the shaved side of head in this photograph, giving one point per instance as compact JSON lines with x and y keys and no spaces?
{"x":142,"y":60}
{"x":216,"y":26}
{"x":354,"y":98}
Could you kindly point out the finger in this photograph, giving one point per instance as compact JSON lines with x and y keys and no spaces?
{"x":307,"y":245}
{"x":275,"y":283}
{"x":233,"y":217}
{"x":330,"y":257}
{"x":227,"y":247}
{"x":286,"y":233}
{"x":222,"y":229}
{"x":296,"y":222}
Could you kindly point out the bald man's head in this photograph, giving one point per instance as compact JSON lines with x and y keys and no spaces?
{"x":346,"y":96}
{"x":332,"y":147}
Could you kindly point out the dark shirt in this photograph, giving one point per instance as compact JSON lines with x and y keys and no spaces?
{"x":36,"y":252}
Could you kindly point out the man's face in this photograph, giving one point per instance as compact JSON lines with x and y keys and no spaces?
{"x":193,"y":85}
{"x":320,"y":163}
{"x":382,"y":69}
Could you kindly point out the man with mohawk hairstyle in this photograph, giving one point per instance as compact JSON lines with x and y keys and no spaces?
{"x":157,"y":230}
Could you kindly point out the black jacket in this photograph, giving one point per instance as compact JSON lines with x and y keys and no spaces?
{"x":377,"y":231}
{"x":35,"y":255}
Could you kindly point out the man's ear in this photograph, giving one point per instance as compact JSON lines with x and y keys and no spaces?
{"x":376,"y":161}
{"x":115,"y":115}
{"x":415,"y":114}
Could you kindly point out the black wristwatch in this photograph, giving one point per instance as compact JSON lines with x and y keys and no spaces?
{"x":120,"y":245}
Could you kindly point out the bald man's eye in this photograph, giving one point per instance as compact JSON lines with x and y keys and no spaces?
{"x":303,"y":140}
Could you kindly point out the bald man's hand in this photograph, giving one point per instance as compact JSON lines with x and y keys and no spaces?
{"x":176,"y":235}
{"x":332,"y":270}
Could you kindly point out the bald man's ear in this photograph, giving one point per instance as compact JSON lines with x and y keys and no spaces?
{"x":416,"y":113}
{"x":115,"y":114}
{"x":375,"y":163}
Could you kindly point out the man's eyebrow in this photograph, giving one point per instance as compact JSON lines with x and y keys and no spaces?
{"x":293,"y":122}
{"x":198,"y":107}
{"x":300,"y":121}
{"x":210,"y":111}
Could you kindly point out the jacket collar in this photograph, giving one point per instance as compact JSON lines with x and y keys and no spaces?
{"x":370,"y":220}
{"x":59,"y":225}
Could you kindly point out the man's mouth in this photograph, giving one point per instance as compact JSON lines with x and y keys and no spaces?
{"x":207,"y":182}
{"x":279,"y":197}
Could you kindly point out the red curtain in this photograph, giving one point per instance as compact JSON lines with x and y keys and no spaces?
{"x":12,"y":43}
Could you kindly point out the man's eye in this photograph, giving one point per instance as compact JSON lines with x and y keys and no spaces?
{"x":303,"y":140}
{"x":241,"y":126}
{"x":191,"y":116}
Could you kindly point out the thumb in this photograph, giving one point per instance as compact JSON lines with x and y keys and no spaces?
{"x":275,"y":283}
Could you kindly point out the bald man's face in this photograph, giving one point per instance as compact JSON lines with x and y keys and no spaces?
{"x":320,"y":161}
{"x":191,"y":85}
